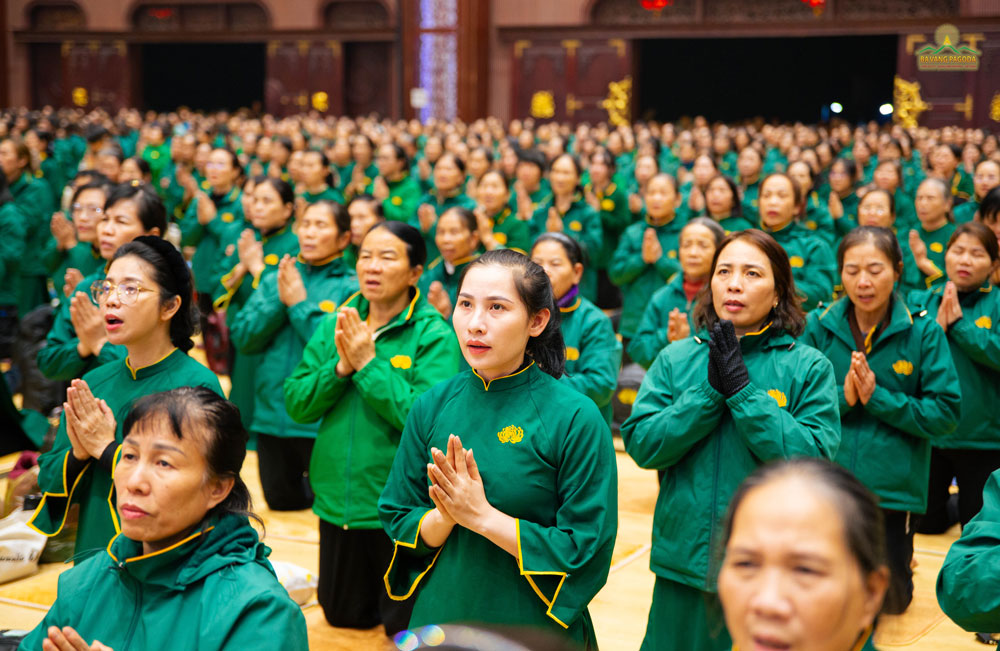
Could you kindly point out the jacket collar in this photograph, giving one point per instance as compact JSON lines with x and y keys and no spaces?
{"x":164,"y":363}
{"x":415,"y":307}
{"x":766,"y":338}
{"x":503,"y":383}
{"x":834,"y":319}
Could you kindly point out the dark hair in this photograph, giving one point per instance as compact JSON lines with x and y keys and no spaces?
{"x":812,"y":174}
{"x":376,"y":205}
{"x":324,"y":163}
{"x":283,"y":188}
{"x":882,"y":239}
{"x":981,"y":233}
{"x":574,"y":252}
{"x":90,"y":185}
{"x":892,"y":199}
{"x":21,"y":152}
{"x":788,"y":314}
{"x":142,"y":164}
{"x":466,"y":216}
{"x":669,"y":177}
{"x":737,"y":209}
{"x":503,"y":179}
{"x":171,"y":273}
{"x":606,"y":157}
{"x":547,"y":349}
{"x":486,"y":153}
{"x":400,"y":154}
{"x":849,"y":166}
{"x":219,"y":422}
{"x":989,"y":207}
{"x":341,"y":218}
{"x":416,"y":249}
{"x":149,"y":206}
{"x":533,"y":157}
{"x":864,"y":531}
{"x":5,"y":195}
{"x":796,"y":188}
{"x":459,"y":163}
{"x":718,"y":232}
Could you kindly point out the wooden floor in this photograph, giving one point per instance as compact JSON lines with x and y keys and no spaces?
{"x":619,"y":611}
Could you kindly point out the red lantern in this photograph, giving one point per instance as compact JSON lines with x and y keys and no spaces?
{"x":655,"y":5}
{"x":161,"y":13}
{"x":817,"y":5}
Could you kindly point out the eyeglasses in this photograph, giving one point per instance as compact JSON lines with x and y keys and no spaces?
{"x":93,"y":210}
{"x":128,"y":292}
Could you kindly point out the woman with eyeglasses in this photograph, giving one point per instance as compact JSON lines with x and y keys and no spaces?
{"x":74,"y":240}
{"x":77,"y":342}
{"x":146,"y":308}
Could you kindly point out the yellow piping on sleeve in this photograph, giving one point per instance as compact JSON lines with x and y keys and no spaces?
{"x":937,"y":274}
{"x":413,"y":545}
{"x":527,"y":574}
{"x":68,"y":494}
{"x":111,"y":492}
{"x":222,"y":302}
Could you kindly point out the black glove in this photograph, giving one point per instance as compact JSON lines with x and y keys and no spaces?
{"x":713,"y":370}
{"x":725,"y":354}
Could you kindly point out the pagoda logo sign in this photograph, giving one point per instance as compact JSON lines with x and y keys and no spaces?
{"x":949,"y":53}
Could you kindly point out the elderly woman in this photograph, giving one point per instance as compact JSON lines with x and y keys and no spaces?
{"x":185,"y":552}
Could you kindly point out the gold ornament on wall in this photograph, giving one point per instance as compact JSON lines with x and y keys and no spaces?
{"x":543,"y":105}
{"x":618,"y":102}
{"x":80,"y":96}
{"x":320,"y":101}
{"x":908,"y":103}
{"x":995,"y":107}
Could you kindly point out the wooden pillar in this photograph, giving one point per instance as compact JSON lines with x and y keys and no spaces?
{"x":4,"y":58}
{"x":473,"y":58}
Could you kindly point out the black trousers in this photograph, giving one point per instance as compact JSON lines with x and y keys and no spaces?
{"x":972,"y":468}
{"x":899,"y":549}
{"x":352,"y":564}
{"x":284,"y":471}
{"x":8,"y":330}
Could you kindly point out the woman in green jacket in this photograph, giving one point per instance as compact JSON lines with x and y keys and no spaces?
{"x":34,"y":199}
{"x":722,"y":203}
{"x":457,"y":239}
{"x":365,"y":211}
{"x":877,"y":208}
{"x":78,"y":342}
{"x":317,"y":180}
{"x":593,"y":352}
{"x":75,"y":240}
{"x":394,"y":187}
{"x":611,"y":202}
{"x":499,"y":226}
{"x":186,"y":569}
{"x":987,"y":177}
{"x":251,"y":255}
{"x":967,"y":308}
{"x":145,"y":304}
{"x":843,"y":200}
{"x":532,"y":518}
{"x":712,"y":409}
{"x":804,"y":563}
{"x":567,"y":211}
{"x":668,"y":315}
{"x":897,"y":388}
{"x":811,"y":258}
{"x":928,"y":238}
{"x":815,"y":214}
{"x":12,"y":222}
{"x":889,"y":177}
{"x":448,"y":192}
{"x":967,"y":589}
{"x":275,"y":324}
{"x":646,"y":257}
{"x":359,"y":376}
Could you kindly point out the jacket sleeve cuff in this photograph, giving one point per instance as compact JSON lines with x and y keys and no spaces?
{"x":107,"y":459}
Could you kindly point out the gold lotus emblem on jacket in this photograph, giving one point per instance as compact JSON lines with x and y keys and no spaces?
{"x":510,"y":434}
{"x":779,"y":397}
{"x":903,"y":367}
{"x":984,"y":322}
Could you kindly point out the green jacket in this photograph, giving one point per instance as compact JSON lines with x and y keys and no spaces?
{"x":813,"y":265}
{"x":441,"y":205}
{"x":215,"y":590}
{"x":12,"y":250}
{"x":59,"y":358}
{"x":916,"y":401}
{"x":967,"y":589}
{"x":651,"y":335}
{"x":362,"y":415}
{"x":732,"y":224}
{"x":65,"y":481}
{"x":638,"y":280}
{"x":34,"y":199}
{"x":329,"y":194}
{"x":974,"y":341}
{"x":438,"y":270}
{"x":936,"y":242}
{"x":82,"y":257}
{"x":615,"y":218}
{"x":158,"y":157}
{"x":583,"y":224}
{"x":748,"y":204}
{"x":538,"y":197}
{"x":849,"y":220}
{"x":818,"y":219}
{"x":404,"y":196}
{"x":593,"y":353}
{"x":279,"y":334}
{"x":51,"y":172}
{"x":511,"y":232}
{"x":709,"y":444}
{"x":212,"y":238}
{"x":546,"y":459}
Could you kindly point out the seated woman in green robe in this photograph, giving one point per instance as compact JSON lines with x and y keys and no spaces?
{"x":889,"y":177}
{"x":842,"y":201}
{"x":713,"y":408}
{"x":365,"y":211}
{"x":897,"y":389}
{"x":804,"y":559}
{"x":593,"y":352}
{"x":928,"y":238}
{"x":317,"y":182}
{"x":668,"y":316}
{"x":814,"y":214}
{"x":276,"y":323}
{"x":78,"y":342}
{"x":532,"y":515}
{"x":448,"y":192}
{"x":499,"y":225}
{"x":722,"y":203}
{"x":878,"y":208}
{"x":457,"y":239}
{"x":74,"y":240}
{"x":185,"y":567}
{"x":146,"y":307}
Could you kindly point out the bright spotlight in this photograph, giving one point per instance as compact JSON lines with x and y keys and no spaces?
{"x":885,"y":109}
{"x":836,"y":107}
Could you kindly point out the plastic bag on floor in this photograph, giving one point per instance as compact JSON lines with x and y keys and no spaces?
{"x":20,"y":546}
{"x":300,"y":582}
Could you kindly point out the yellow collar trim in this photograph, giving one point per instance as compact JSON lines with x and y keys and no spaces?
{"x":133,"y":371}
{"x":759,"y":332}
{"x":572,"y":307}
{"x":157,"y":553}
{"x":486,"y":385}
